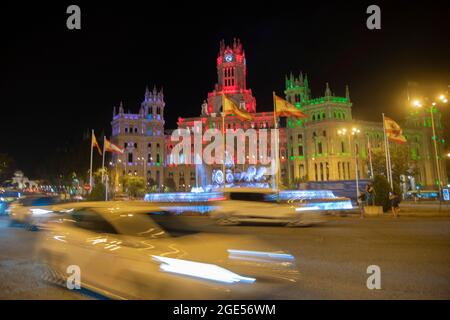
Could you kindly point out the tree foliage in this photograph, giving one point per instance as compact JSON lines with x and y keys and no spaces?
{"x":382,"y":189}
{"x":7,"y":167}
{"x":97,"y":193}
{"x":134,"y":186}
{"x":401,"y":162}
{"x":169,"y":185}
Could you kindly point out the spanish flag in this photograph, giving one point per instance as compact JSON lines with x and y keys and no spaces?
{"x":94,"y":143}
{"x":285,"y":109}
{"x":393,"y":131}
{"x":229,"y":107}
{"x":111,"y":147}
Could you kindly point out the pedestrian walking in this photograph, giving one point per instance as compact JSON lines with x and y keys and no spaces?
{"x":361,"y":202}
{"x":395,"y":202}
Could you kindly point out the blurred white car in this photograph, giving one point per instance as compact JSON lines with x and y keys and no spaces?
{"x":33,"y":211}
{"x":252,"y":205}
{"x":30,"y":208}
{"x":123,"y":253}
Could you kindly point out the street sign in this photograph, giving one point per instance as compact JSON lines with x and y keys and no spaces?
{"x":445,"y":194}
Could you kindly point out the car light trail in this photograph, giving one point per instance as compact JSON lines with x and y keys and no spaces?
{"x":200,"y":270}
{"x":261,"y":254}
{"x":40,"y":211}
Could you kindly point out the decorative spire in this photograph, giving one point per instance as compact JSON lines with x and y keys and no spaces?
{"x":306,"y":84}
{"x":114,"y":111}
{"x":301,"y":78}
{"x":154,"y":90}
{"x":222,"y":47}
{"x":327,"y":91}
{"x":147,"y":93}
{"x":121,"y":108}
{"x":347,"y":93}
{"x":239,"y":46}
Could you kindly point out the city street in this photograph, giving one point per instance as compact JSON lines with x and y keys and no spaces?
{"x":412,"y":252}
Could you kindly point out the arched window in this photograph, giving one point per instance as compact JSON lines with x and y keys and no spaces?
{"x":314,"y":117}
{"x":135,"y":145}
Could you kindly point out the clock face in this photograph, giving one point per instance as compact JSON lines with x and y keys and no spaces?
{"x":228,"y":58}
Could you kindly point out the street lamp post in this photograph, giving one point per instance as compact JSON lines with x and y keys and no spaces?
{"x":143,"y":167}
{"x":354,"y":133}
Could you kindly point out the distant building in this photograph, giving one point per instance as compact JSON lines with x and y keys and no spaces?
{"x":310,"y":149}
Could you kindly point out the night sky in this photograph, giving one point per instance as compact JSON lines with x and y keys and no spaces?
{"x":56,"y":83}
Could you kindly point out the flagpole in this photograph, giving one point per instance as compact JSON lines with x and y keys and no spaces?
{"x":103,"y":160}
{"x":390,"y":165}
{"x":388,"y":156}
{"x":106,"y":188}
{"x":90,"y":171}
{"x":386,"y":151}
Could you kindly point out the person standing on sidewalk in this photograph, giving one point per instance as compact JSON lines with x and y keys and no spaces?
{"x":370,"y":190}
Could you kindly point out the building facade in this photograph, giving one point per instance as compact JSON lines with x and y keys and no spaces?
{"x":317,"y":148}
{"x":141,"y":135}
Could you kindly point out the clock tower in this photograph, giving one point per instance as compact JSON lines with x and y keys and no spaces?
{"x":231,"y":79}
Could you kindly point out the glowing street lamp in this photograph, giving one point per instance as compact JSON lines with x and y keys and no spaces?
{"x":355,"y":131}
{"x":417,"y":103}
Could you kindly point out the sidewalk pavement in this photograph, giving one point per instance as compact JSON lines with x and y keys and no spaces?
{"x":405,"y":211}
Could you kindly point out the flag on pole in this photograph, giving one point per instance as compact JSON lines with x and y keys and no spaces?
{"x":369,"y":151}
{"x":229,"y":107}
{"x":111,"y":147}
{"x":94,"y":143}
{"x":393,"y":131}
{"x":284,"y":108}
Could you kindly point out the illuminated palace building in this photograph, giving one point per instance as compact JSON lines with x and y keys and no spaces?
{"x":311,"y":149}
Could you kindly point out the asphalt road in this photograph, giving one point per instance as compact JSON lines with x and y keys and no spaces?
{"x":412,"y":252}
